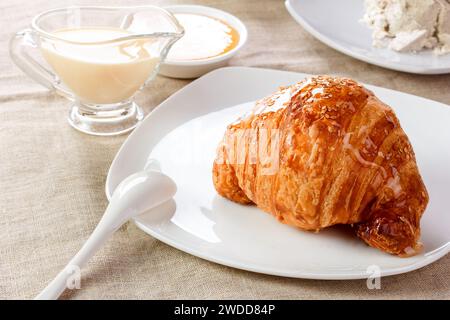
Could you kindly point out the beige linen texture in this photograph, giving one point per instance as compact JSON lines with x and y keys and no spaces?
{"x":52,"y":179}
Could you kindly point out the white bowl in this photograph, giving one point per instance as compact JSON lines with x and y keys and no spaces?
{"x":195,"y":68}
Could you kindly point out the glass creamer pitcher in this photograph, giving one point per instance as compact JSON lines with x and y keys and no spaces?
{"x":99,"y":58}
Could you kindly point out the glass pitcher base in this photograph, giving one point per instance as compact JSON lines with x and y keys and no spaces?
{"x":105,"y":121}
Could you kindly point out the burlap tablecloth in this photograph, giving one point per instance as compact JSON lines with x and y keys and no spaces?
{"x":52,"y":178}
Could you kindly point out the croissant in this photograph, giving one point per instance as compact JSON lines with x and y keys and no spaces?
{"x":322,"y":152}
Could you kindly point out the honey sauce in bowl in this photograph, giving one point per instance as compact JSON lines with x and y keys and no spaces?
{"x":205,"y":37}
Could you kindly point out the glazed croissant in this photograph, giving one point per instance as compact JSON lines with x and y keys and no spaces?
{"x":326,"y":151}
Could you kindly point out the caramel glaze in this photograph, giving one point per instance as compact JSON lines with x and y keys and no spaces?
{"x":340,"y":157}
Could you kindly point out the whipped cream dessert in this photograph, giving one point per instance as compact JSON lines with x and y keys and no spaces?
{"x":409,"y":25}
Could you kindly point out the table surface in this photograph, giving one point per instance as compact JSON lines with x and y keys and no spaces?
{"x":52,"y":179}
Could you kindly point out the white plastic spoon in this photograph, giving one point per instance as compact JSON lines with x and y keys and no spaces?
{"x":134,"y":195}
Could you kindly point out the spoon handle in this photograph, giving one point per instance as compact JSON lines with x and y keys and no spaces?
{"x":137,"y":193}
{"x":72,"y":269}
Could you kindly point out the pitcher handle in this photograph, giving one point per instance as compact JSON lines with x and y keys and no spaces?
{"x":19,"y":47}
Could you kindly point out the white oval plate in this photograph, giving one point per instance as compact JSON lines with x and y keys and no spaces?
{"x":336,"y":23}
{"x":182,"y":135}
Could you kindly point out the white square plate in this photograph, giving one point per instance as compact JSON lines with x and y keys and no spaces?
{"x":336,"y":23}
{"x":182,"y":135}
